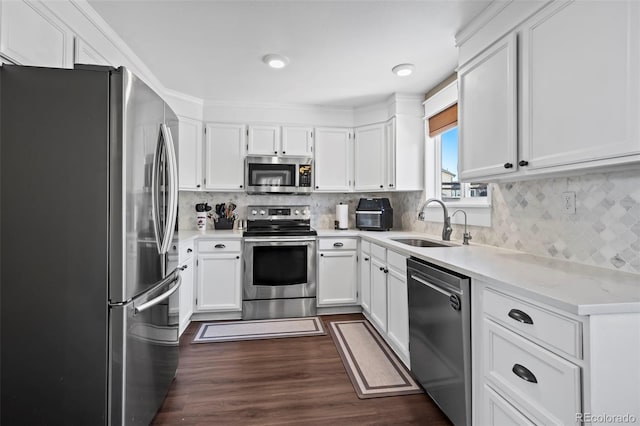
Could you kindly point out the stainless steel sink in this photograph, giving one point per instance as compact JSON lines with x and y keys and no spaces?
{"x":418,"y":242}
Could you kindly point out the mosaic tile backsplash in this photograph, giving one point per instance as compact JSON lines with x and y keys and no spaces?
{"x":527,"y":216}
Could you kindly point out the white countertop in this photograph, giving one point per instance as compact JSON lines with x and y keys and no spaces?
{"x":573,"y":287}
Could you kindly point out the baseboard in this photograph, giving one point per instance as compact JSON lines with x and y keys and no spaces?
{"x":216,"y":316}
{"x":333,"y":310}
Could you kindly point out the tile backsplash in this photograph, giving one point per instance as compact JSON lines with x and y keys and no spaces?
{"x":323,"y":206}
{"x":528,"y":216}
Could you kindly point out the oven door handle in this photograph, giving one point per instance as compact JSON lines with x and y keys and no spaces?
{"x":279,"y":240}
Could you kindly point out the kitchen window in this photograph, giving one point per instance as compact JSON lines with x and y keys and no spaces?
{"x":441,"y":161}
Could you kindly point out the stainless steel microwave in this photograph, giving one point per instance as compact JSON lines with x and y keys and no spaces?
{"x":279,"y":175}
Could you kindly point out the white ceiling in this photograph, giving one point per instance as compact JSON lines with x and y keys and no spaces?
{"x":341,"y":52}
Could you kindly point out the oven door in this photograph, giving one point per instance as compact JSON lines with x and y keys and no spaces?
{"x":279,"y":268}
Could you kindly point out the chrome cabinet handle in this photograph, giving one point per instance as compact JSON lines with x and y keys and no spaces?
{"x":220,"y":246}
{"x":520,"y":316}
{"x":524,"y":373}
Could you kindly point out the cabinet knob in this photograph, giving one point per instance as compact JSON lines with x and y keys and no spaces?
{"x":381,"y":186}
{"x":317,"y":187}
{"x":189,"y":250}
{"x":390,"y":185}
{"x":240,"y":186}
{"x":198,"y":186}
{"x":523,"y":163}
{"x":275,"y":152}
{"x":382,"y":268}
{"x":322,"y":254}
{"x":185,"y":267}
{"x":508,"y":165}
{"x":366,"y":259}
{"x":237,"y":257}
{"x":386,"y":271}
{"x":284,"y":152}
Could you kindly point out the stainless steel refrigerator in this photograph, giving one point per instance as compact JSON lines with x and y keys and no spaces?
{"x":88,"y":193}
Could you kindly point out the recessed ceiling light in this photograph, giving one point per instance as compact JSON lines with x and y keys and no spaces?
{"x":275,"y":61}
{"x":403,"y":70}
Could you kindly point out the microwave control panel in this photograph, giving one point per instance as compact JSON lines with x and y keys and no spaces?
{"x":304,"y":175}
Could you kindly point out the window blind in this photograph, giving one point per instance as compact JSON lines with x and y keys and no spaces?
{"x":443,"y":121}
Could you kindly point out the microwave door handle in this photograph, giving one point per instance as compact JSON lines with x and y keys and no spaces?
{"x":155,"y":189}
{"x":172,"y":202}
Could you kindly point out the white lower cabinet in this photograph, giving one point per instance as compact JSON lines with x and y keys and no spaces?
{"x":385,"y":302}
{"x":365,"y":276}
{"x":337,"y":272}
{"x":186,"y":290}
{"x":537,"y":364}
{"x":219,"y":278}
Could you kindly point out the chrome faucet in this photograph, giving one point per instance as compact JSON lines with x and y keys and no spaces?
{"x":466,"y":236}
{"x":446,"y":227}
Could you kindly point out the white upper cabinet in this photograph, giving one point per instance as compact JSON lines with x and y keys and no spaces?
{"x":83,"y":53}
{"x":558,"y":94}
{"x":405,"y":140}
{"x":31,"y":35}
{"x":488,"y":111}
{"x":333,"y":159}
{"x":370,"y":159}
{"x":264,"y":140}
{"x":190,"y":155}
{"x":225,"y":151}
{"x":297,"y":141}
{"x":581,"y":83}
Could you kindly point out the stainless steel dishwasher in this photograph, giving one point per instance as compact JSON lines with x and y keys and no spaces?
{"x":440,"y":337}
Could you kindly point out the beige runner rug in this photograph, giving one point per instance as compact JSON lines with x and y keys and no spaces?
{"x":373,"y":368}
{"x":228,"y":331}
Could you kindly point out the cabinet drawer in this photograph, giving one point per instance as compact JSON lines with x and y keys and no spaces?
{"x":530,"y":375}
{"x":397,"y":261}
{"x":379,"y":252}
{"x":218,"y":246}
{"x":562,"y":333}
{"x":338,"y":244}
{"x":186,"y":250}
{"x":498,"y":412}
{"x":365,"y":246}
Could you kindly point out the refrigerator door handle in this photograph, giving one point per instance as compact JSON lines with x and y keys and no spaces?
{"x":155,"y":208}
{"x":143,"y":307}
{"x":172,"y":212}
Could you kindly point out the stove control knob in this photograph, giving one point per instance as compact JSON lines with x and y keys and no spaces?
{"x":305,"y":212}
{"x":262,"y":212}
{"x":296,"y":212}
{"x":254,"y":212}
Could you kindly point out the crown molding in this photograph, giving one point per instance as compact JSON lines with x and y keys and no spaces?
{"x":483,"y":18}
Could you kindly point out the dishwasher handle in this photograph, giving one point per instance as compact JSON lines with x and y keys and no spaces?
{"x":454,"y":299}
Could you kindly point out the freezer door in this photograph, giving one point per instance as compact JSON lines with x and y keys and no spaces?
{"x":144,"y":353}
{"x":143,"y":188}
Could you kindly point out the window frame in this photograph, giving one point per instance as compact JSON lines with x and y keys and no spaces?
{"x":478,"y":209}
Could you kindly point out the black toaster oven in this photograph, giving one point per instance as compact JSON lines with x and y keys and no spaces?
{"x":374,"y":214}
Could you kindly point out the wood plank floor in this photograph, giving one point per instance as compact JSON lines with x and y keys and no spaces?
{"x":294,"y":381}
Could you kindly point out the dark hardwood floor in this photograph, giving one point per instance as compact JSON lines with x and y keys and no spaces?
{"x":295,"y":381}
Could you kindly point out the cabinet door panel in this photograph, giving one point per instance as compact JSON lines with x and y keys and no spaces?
{"x":264,"y":140}
{"x":581,"y":83}
{"x":487,"y":113}
{"x":31,"y":35}
{"x":398,"y":313}
{"x":297,"y":141}
{"x":219,"y":284}
{"x":379,"y":294}
{"x":224,"y":145}
{"x":333,"y":159}
{"x":190,"y":154}
{"x":337,"y":278}
{"x":365,"y":281}
{"x":369,"y":155}
{"x":186,"y":294}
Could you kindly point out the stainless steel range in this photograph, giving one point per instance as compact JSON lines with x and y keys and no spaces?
{"x":279,"y":263}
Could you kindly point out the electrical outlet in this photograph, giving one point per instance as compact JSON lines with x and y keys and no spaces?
{"x":569,"y":202}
